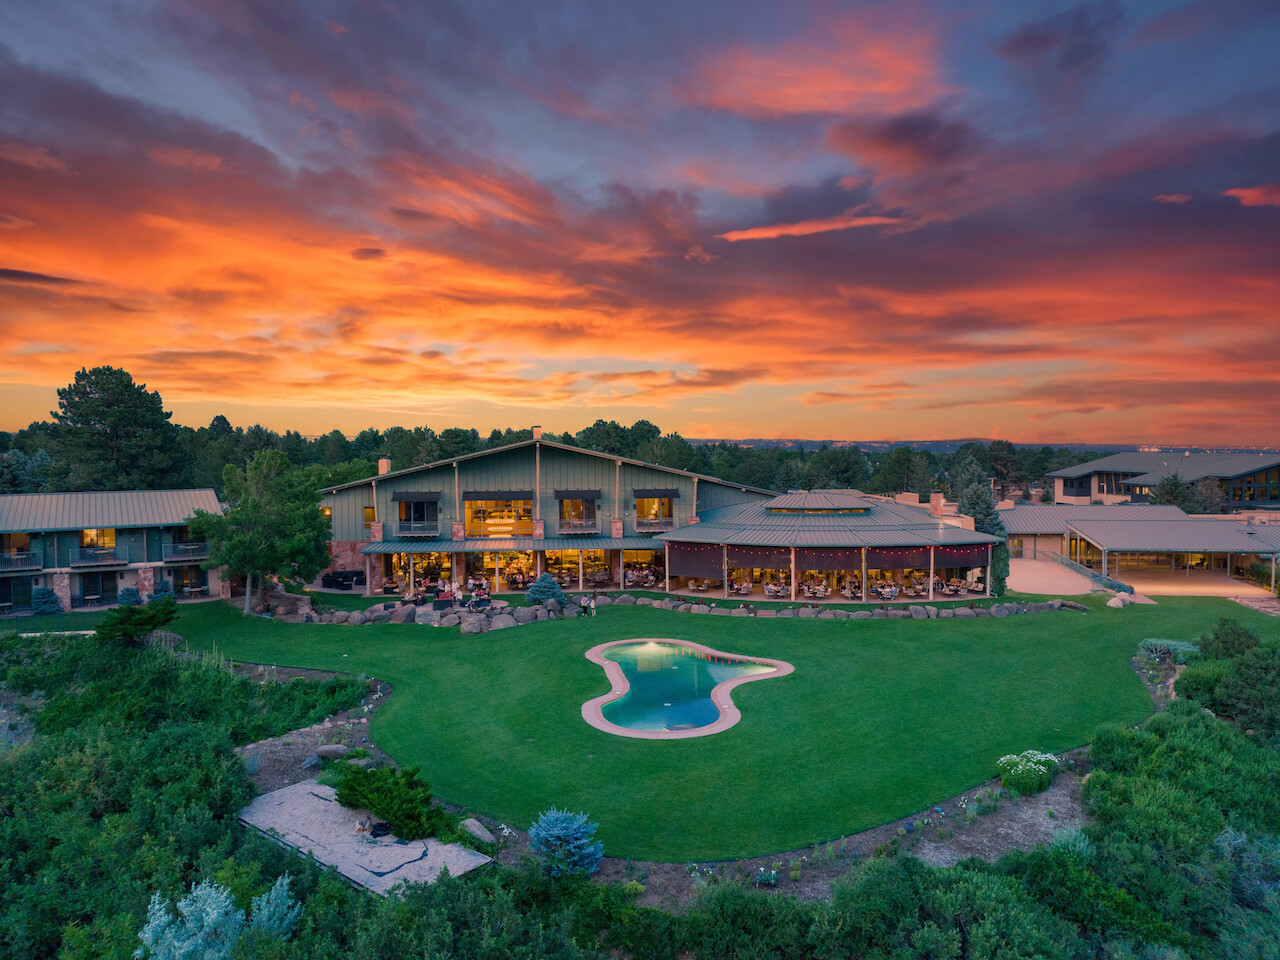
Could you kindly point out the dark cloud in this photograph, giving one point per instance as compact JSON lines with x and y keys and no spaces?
{"x":908,"y":141}
{"x":1075,"y":40}
{"x":368,"y":253}
{"x":26,"y":276}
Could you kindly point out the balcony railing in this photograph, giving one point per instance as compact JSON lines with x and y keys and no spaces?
{"x":185,"y":551}
{"x":417,"y":528}
{"x":579,"y":526}
{"x":21,"y":561}
{"x":99,"y":556}
{"x":647,"y":524}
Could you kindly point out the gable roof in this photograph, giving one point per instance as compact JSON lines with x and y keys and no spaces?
{"x":1032,"y":518}
{"x":551,"y":444}
{"x":1154,"y":466}
{"x":103,"y":509}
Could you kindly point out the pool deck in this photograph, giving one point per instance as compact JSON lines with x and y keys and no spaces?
{"x":592,"y":710}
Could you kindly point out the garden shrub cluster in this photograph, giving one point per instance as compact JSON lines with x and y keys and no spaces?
{"x":1028,"y":772}
{"x":566,"y":842}
{"x":1238,"y":679}
{"x":1175,"y":651}
{"x":401,"y":798}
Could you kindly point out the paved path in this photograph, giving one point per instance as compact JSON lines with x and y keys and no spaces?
{"x":1271,"y":606}
{"x":1046,"y":577}
{"x":308,"y":817}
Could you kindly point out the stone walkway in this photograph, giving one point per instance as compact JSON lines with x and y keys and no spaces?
{"x":308,"y":817}
{"x":1271,"y":607}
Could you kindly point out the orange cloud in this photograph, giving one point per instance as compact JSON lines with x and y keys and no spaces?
{"x":1172,"y":198}
{"x":187,"y":158}
{"x":804,"y":228}
{"x":1266,"y":195}
{"x":884,"y":60}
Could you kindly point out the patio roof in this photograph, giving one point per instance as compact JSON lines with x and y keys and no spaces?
{"x":1033,"y":518}
{"x":1179,"y":536}
{"x":886,"y":524}
{"x":487,"y":545}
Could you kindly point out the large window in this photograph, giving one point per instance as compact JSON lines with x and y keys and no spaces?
{"x":499,"y":518}
{"x":370,"y":515}
{"x":98,"y":538}
{"x":578,"y":516}
{"x":654,"y":513}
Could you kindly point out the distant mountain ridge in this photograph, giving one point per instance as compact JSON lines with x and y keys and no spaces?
{"x":950,"y":446}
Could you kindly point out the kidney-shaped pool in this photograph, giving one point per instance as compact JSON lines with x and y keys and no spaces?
{"x":670,"y":689}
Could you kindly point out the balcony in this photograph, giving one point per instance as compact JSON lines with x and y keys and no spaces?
{"x":654,"y":524}
{"x":185,"y":552}
{"x":579,"y":526}
{"x":21,"y":561}
{"x":417,"y":528}
{"x":99,"y":556}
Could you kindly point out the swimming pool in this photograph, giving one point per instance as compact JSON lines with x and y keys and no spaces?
{"x":669,"y":689}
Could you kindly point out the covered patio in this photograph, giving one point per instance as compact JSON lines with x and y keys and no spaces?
{"x":1190,"y":557}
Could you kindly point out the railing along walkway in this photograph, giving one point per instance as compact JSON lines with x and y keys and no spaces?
{"x":1101,"y":579}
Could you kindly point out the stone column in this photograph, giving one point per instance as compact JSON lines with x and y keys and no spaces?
{"x":146,"y":582}
{"x":61,"y":585}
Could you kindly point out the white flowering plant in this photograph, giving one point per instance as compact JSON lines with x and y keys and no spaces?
{"x":1028,"y":772}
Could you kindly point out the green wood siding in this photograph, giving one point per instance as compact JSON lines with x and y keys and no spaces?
{"x":713,"y":495}
{"x":348,"y":512}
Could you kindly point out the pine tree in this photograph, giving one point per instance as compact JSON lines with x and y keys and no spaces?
{"x":976,"y":501}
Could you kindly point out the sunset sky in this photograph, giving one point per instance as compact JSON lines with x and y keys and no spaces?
{"x":1028,"y":220}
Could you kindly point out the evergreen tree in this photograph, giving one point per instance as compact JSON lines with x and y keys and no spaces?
{"x":1172,"y":489}
{"x":976,"y":501}
{"x":112,"y":433}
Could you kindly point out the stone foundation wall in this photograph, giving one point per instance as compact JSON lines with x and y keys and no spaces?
{"x":346,"y":555}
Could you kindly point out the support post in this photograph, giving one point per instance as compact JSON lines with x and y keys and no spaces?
{"x":368,"y":577}
{"x":988,"y":569}
{"x":932,"y":548}
{"x":1273,"y":573}
{"x":724,"y":569}
{"x":864,"y":574}
{"x":497,"y":578}
{"x":666,"y":567}
{"x":793,"y":574}
{"x":580,"y":587}
{"x":411,"y":573}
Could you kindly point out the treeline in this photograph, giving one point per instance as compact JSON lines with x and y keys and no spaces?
{"x":131,"y":787}
{"x":110,"y":433}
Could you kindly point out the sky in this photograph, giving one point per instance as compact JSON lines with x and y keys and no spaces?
{"x":1037,"y":221}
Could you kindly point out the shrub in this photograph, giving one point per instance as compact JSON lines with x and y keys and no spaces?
{"x":162,"y":590}
{"x":127,"y":625}
{"x":44,"y":600}
{"x":209,"y":926}
{"x":1251,"y":692}
{"x":564,"y":840}
{"x":1177,"y":651}
{"x":1028,"y":772}
{"x":129,"y":597}
{"x":400,"y":797}
{"x":1074,"y":844}
{"x":1229,"y":639}
{"x":543,"y":589}
{"x":1200,"y":681}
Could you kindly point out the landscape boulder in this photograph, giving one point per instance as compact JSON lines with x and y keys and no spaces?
{"x":540,"y":612}
{"x":807,"y":612}
{"x":425,"y":615}
{"x":355,"y":618}
{"x":473,"y":626}
{"x":739,"y":612}
{"x":478,"y":830}
{"x":918,"y":612}
{"x":450,"y":620}
{"x":524,"y":615}
{"x":965,"y":613}
{"x":932,"y":611}
{"x":644,"y":601}
{"x":502,"y":621}
{"x":946,"y":613}
{"x":332,"y":751}
{"x":603,"y":601}
{"x":625,"y":599}
{"x":1072,"y":605}
{"x":879,"y":613}
{"x":339,"y":616}
{"x":379,"y":616}
{"x":699,"y":608}
{"x":720,"y":611}
{"x":571,"y":611}
{"x":861,"y":615}
{"x":899,"y":614}
{"x":553,"y":605}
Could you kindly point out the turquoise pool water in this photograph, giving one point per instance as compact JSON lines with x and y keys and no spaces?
{"x":671,"y":685}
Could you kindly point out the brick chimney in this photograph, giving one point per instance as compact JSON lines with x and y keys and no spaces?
{"x":936,"y":500}
{"x":384,"y":465}
{"x":537,"y":432}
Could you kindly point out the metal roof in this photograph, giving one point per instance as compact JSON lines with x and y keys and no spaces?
{"x":1034,"y":518}
{"x":821,"y":500}
{"x":554,"y":446}
{"x":886,"y":524}
{"x":1189,"y":535}
{"x":486,"y":545}
{"x":107,"y":509}
{"x":1190,"y":466}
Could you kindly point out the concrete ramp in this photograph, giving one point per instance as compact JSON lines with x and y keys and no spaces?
{"x":1047,"y":577}
{"x":308,"y":817}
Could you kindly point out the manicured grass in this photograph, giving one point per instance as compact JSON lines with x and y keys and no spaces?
{"x":880,"y":719}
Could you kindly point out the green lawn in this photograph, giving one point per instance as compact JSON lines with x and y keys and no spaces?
{"x":881,"y":718}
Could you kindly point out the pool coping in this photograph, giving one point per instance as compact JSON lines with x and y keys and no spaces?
{"x":592,"y":710}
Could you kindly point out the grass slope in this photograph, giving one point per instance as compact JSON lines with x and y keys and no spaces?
{"x":880,"y":719}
